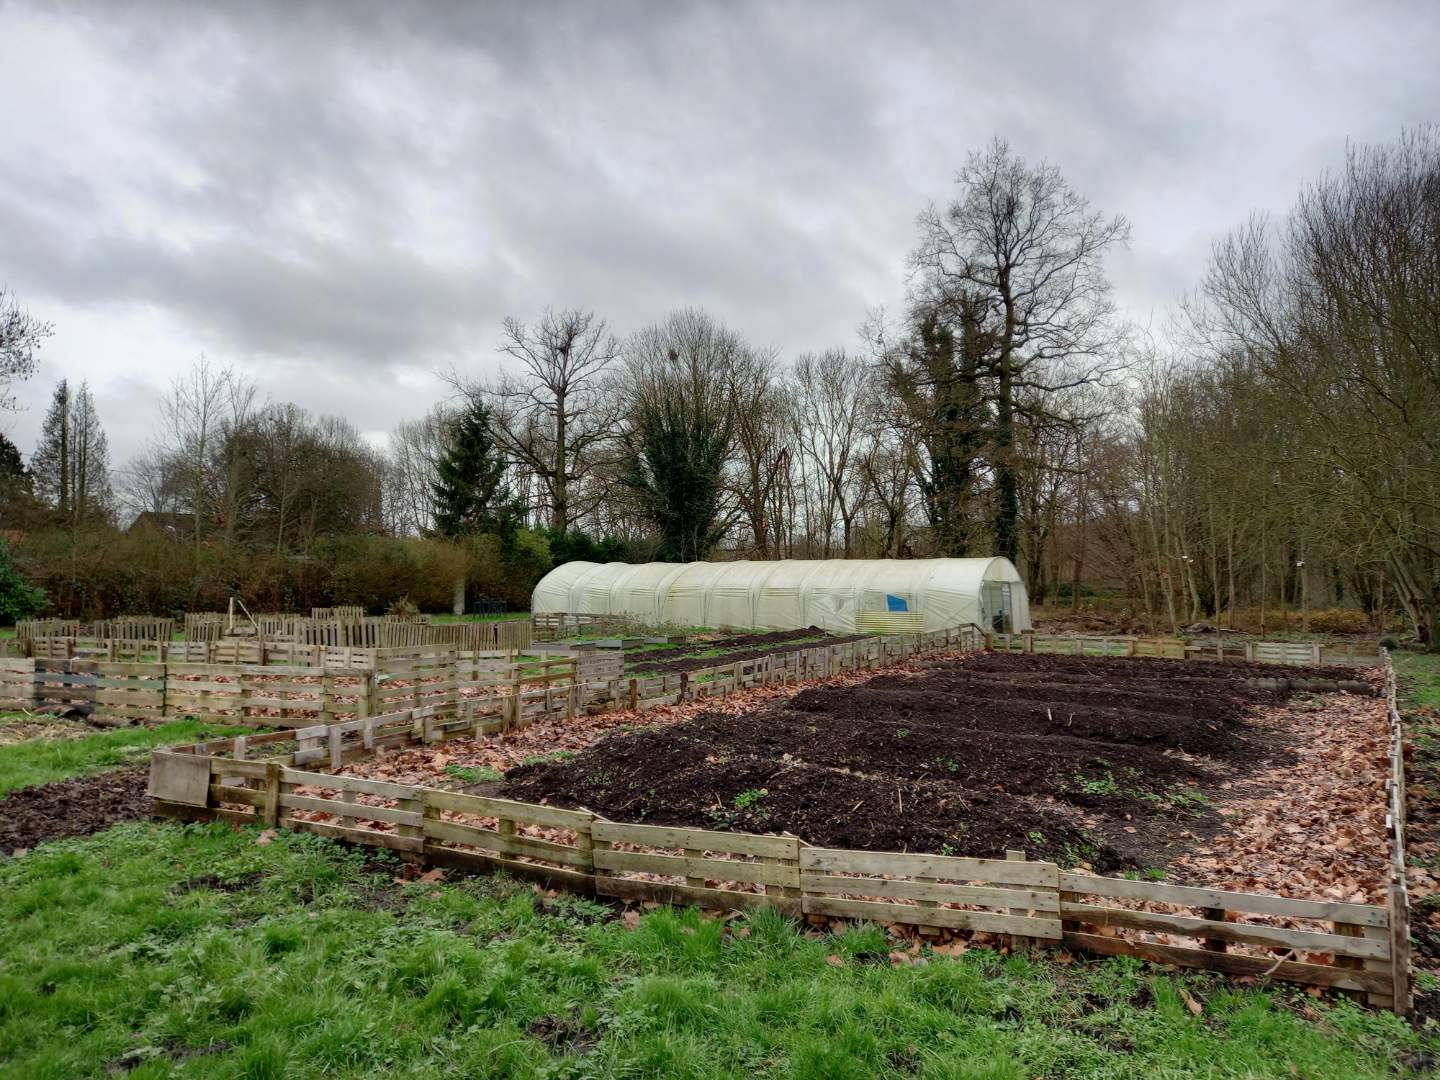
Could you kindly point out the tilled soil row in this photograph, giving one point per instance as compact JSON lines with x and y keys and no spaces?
{"x":942,"y":760}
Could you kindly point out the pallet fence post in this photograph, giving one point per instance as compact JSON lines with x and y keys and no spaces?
{"x":1400,"y":949}
{"x":270,"y":812}
{"x":1018,"y":942}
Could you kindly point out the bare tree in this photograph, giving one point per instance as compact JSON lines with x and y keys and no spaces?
{"x":20,"y":335}
{"x":761,"y":411}
{"x":1021,"y":242}
{"x":831,"y":391}
{"x":555,"y":417}
{"x":416,"y":447}
{"x":192,"y":415}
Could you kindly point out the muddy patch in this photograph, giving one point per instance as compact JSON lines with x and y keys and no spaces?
{"x":76,"y":807}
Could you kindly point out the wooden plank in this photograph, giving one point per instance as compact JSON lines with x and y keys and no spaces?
{"x":1242,"y":933}
{"x":680,"y":895}
{"x":224,"y":793}
{"x":528,"y":813}
{"x":484,"y":862}
{"x":530,"y":847}
{"x":1402,"y":1002}
{"x":351,"y":783}
{"x":699,"y":868}
{"x":340,"y":808}
{"x":946,"y":867}
{"x":952,"y":918}
{"x":1232,"y":963}
{"x":1251,"y":903}
{"x":179,"y":778}
{"x":1031,"y":899}
{"x":251,"y":770}
{"x":660,"y":836}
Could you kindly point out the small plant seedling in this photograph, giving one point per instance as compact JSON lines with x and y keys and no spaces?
{"x":901,"y":733}
{"x":1105,"y":785}
{"x":479,"y":774}
{"x":747,"y":799}
{"x":546,"y":759}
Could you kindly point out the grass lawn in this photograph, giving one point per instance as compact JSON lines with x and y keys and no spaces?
{"x":159,"y":951}
{"x":39,"y":761}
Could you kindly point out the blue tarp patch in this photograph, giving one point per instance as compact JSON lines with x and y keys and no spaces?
{"x":895,"y":603}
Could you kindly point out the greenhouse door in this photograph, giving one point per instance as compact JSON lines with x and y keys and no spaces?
{"x":995,"y":607}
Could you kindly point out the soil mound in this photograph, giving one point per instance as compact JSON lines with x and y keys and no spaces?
{"x":76,"y":807}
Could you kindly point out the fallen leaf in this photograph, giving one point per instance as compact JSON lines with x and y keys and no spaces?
{"x":266,"y":837}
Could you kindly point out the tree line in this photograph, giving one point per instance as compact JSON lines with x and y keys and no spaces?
{"x":1272,"y":446}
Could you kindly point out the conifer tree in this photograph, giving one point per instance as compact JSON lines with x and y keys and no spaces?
{"x":469,"y":492}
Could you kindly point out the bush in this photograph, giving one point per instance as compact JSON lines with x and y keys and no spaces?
{"x":18,"y":598}
{"x":102,"y":573}
{"x":1339,"y":621}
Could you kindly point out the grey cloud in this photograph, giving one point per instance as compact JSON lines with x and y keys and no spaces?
{"x":374,"y":186}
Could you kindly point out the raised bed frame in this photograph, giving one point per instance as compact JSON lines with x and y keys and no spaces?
{"x":1360,"y":949}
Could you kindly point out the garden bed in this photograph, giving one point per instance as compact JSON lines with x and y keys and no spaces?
{"x":1117,"y":765}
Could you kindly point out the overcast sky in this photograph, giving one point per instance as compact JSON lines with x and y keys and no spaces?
{"x":343,"y":199}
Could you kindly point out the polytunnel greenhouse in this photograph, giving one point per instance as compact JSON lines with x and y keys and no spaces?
{"x":839,"y":595}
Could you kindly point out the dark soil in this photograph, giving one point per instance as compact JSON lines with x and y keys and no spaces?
{"x":75,"y":807}
{"x":740,"y":647}
{"x":1081,"y":760}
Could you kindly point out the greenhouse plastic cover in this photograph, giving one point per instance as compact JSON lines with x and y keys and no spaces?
{"x":789,"y":594}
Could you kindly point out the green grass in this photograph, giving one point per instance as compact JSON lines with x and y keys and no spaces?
{"x":39,"y":761}
{"x":168,"y":951}
{"x":1417,"y":678}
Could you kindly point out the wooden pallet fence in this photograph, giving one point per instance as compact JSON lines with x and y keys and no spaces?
{"x":696,"y":866}
{"x":1356,"y":938}
{"x":129,"y":693}
{"x":17,"y":683}
{"x":65,"y":686}
{"x":1292,"y":653}
{"x":415,"y":677}
{"x":134,"y":628}
{"x":997,"y":896}
{"x":26,"y":629}
{"x":350,"y":613}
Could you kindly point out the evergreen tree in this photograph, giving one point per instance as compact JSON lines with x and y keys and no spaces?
{"x":71,"y":464}
{"x":12,"y":466}
{"x":469,"y":491}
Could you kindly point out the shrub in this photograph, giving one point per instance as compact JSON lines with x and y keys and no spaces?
{"x":18,"y":598}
